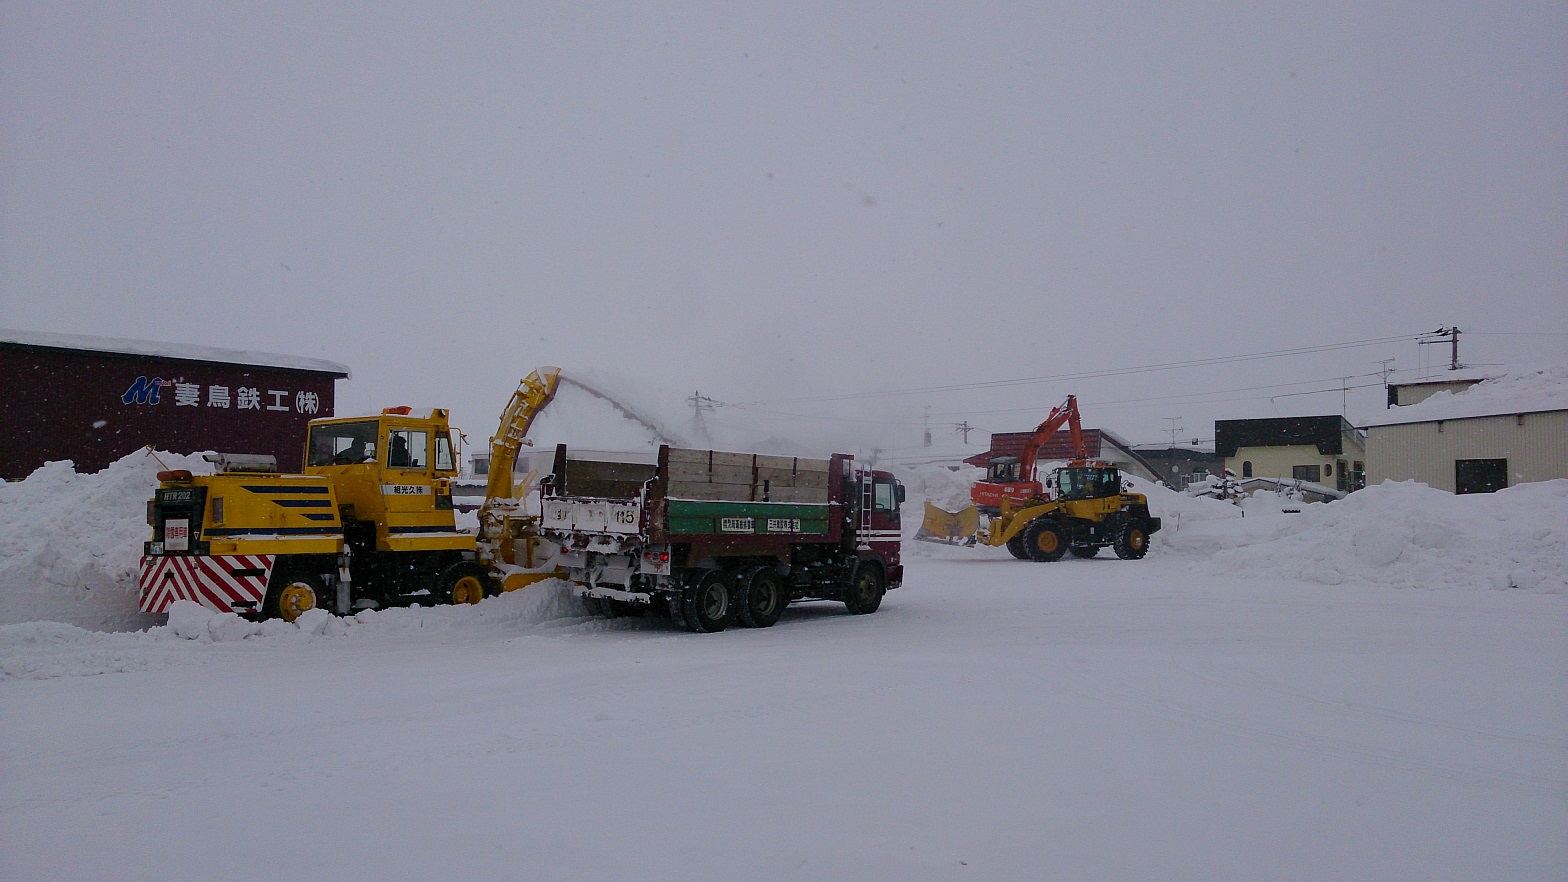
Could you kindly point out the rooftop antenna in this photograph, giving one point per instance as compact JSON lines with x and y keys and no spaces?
{"x":1386,"y":371}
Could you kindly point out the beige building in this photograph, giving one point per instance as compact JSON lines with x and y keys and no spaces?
{"x":1323,"y":450}
{"x":1497,"y":434}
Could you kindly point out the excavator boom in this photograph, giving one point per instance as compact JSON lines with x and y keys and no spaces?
{"x":1016,"y":487}
{"x":1067,"y":413}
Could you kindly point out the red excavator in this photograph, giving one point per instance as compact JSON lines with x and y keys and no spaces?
{"x":1012,"y":478}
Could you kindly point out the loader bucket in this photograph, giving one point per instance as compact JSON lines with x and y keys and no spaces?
{"x":948,"y":526}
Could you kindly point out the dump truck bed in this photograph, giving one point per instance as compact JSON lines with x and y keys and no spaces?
{"x":689,"y":494}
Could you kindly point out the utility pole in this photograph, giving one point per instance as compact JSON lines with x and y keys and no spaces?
{"x":700,"y":403}
{"x":964,"y":428}
{"x":1453,"y":339}
{"x":1175,"y":428}
{"x":928,"y":426}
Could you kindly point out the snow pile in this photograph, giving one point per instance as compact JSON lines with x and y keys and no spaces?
{"x":43,"y":650}
{"x":942,"y":486}
{"x":70,"y":544}
{"x":1402,"y":535}
{"x":1175,"y":508}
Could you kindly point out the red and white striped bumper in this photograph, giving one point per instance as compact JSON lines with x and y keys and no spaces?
{"x":232,"y":583}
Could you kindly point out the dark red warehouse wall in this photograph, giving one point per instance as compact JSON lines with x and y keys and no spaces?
{"x":93,"y":408}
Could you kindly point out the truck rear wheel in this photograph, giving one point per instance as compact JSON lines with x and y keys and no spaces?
{"x":865,"y":590}
{"x":1132,"y":543}
{"x":294,"y":596}
{"x":760,"y":599}
{"x":1045,"y":541}
{"x":706,"y":606}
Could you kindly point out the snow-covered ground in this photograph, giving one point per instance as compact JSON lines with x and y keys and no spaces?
{"x":1372,"y":689}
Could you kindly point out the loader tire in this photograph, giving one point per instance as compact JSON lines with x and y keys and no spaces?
{"x":1015,"y":547}
{"x":294,"y":596}
{"x":1044,"y":541}
{"x":1132,"y":543}
{"x":760,"y":598}
{"x":865,"y":590}
{"x":1083,"y":551}
{"x":708,"y":605}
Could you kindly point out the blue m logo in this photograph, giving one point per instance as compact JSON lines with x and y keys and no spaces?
{"x":143,"y":391}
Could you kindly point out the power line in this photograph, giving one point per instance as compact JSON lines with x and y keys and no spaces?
{"x":1167,"y":398}
{"x":1190,"y":397}
{"x":1109,"y":372}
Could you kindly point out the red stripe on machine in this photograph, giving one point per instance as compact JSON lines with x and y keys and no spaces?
{"x":209,"y":581}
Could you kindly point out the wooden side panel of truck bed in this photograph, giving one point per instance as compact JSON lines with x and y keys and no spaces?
{"x":745,"y":477}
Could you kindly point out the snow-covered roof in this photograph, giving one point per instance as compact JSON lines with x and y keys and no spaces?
{"x":185,"y":351}
{"x":1516,"y":392}
{"x":1439,"y":377}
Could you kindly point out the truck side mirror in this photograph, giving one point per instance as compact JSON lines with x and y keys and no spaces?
{"x":898,"y":493}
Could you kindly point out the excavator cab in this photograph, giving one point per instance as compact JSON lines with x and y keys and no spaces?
{"x":1002,"y":470}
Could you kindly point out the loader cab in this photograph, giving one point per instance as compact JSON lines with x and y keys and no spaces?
{"x":1089,"y":481}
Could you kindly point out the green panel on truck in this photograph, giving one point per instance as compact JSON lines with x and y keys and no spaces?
{"x":742,"y":518}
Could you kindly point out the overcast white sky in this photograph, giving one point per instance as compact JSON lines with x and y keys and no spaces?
{"x":789,"y":201}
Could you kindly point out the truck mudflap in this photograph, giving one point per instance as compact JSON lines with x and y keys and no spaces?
{"x":226,"y":583}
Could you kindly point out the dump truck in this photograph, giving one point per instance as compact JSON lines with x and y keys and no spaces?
{"x":1081,"y":508}
{"x":370,"y":523}
{"x":710,"y":537}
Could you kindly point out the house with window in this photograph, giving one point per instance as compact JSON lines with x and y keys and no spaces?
{"x":1493,"y":434}
{"x":1322,"y":450}
{"x":1180,"y":466}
